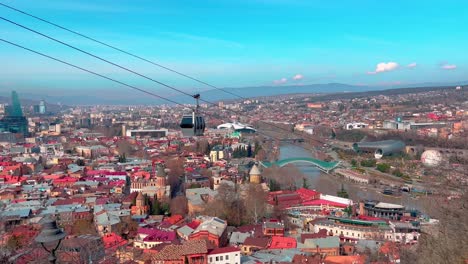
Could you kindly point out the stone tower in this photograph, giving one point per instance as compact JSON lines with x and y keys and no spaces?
{"x":255,"y":175}
{"x":161,"y":182}
{"x":140,"y":207}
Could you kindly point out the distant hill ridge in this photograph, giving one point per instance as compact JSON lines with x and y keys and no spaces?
{"x":328,"y":90}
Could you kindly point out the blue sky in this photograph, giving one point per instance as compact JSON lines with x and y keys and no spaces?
{"x":240,"y":42}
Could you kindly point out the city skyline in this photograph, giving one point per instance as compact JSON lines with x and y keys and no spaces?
{"x":247,"y":43}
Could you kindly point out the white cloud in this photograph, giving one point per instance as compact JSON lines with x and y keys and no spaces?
{"x":412,"y":65}
{"x":298,"y":77}
{"x":384,"y":67}
{"x":449,"y":66}
{"x":280,"y":81}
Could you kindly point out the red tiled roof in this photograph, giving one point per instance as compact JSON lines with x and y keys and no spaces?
{"x":175,"y":252}
{"x":306,"y":194}
{"x":260,"y":242}
{"x":322,"y":233}
{"x":223,"y":250}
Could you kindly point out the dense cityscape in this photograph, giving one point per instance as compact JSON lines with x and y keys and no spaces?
{"x":123,"y":183}
{"x":335,"y":133}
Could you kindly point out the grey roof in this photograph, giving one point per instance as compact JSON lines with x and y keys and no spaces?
{"x":23,"y":213}
{"x":185,"y":231}
{"x":387,"y":147}
{"x":269,"y":255}
{"x":106,"y":219}
{"x":87,"y":183}
{"x":238,"y":238}
{"x":328,"y":242}
{"x":194,"y":195}
{"x":213,"y":225}
{"x":107,"y":207}
{"x":362,"y":245}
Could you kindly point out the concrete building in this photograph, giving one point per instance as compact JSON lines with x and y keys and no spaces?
{"x":383,"y":210}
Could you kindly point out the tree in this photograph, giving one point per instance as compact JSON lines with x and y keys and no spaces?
{"x":83,"y":227}
{"x":255,"y":202}
{"x":179,"y":205}
{"x":273,"y":185}
{"x":122,"y":158}
{"x":383,"y":167}
{"x":166,"y":208}
{"x":398,"y":173}
{"x":448,"y":241}
{"x":288,"y":177}
{"x":304,"y":183}
{"x":354,"y":163}
{"x":156,"y":207}
{"x":226,"y":205}
{"x":80,"y":162}
{"x":261,"y":155}
{"x":15,"y":242}
{"x":348,"y":210}
{"x":342,"y":193}
{"x":249,"y":150}
{"x":368,"y":163}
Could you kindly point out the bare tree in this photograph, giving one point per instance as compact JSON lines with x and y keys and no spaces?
{"x":179,"y":205}
{"x":288,"y":177}
{"x":255,"y":201}
{"x":448,"y":241}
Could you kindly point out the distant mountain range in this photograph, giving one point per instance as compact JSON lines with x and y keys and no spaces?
{"x":213,"y":95}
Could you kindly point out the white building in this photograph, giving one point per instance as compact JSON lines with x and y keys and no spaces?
{"x":236,"y":126}
{"x":225,"y":255}
{"x":356,"y":125}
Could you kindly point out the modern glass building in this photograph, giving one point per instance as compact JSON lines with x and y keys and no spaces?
{"x":14,"y":121}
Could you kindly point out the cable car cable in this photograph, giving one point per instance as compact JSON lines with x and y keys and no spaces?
{"x":129,"y":70}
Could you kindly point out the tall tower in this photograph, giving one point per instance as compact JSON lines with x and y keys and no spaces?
{"x":14,"y":121}
{"x":42,"y":107}
{"x":15,"y":108}
{"x":255,"y":174}
{"x":216,"y":179}
{"x":161,"y":182}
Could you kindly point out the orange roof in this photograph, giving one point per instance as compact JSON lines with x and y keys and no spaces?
{"x":65,"y":180}
{"x":113,"y":240}
{"x":345,"y":259}
{"x":278,"y":242}
{"x":51,"y":177}
{"x":174,"y":219}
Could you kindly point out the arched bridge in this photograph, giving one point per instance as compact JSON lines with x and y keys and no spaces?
{"x":324,"y":166}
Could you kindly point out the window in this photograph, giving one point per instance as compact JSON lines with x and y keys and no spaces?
{"x":211,"y":259}
{"x":217,"y":258}
{"x":227,"y":257}
{"x":221,"y":258}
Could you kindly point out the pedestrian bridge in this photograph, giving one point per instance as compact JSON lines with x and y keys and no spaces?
{"x":324,"y":166}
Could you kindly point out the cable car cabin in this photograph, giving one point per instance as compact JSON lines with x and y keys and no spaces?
{"x":192,"y":125}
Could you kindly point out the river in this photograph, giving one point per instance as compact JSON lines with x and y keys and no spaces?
{"x":329,"y":184}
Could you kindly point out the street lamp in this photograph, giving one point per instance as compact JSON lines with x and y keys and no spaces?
{"x":50,"y":233}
